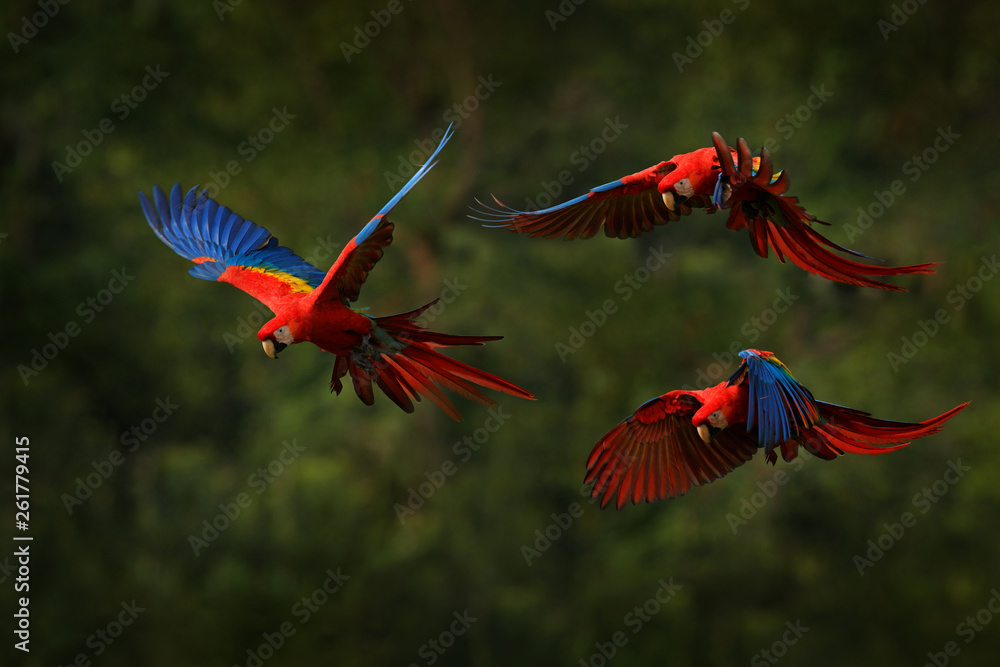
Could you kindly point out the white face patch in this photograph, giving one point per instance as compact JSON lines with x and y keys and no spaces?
{"x":684,"y":188}
{"x":284,"y":335}
{"x":718,"y":420}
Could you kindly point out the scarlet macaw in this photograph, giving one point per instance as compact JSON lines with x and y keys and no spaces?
{"x":395,"y":352}
{"x":688,"y":438}
{"x":706,"y":178}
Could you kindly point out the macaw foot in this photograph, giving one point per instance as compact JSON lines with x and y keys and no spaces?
{"x":760,"y":209}
{"x":723,"y":195}
{"x":365,"y":355}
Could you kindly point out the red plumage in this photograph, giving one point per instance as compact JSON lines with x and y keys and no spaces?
{"x":411,"y":371}
{"x":711,"y":178}
{"x":395,"y":353}
{"x":687,"y":438}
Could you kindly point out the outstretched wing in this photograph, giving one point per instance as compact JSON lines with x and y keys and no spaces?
{"x":344,"y":279}
{"x":656,"y":453}
{"x":780,"y":407}
{"x":353,"y":270}
{"x":756,"y":198}
{"x":225,"y":247}
{"x":624,"y":209}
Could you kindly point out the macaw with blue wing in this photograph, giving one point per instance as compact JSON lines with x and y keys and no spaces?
{"x":394,"y":352}
{"x":711,"y":179}
{"x":688,"y":438}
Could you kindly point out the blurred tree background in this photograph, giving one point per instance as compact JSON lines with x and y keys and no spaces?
{"x":153,"y":413}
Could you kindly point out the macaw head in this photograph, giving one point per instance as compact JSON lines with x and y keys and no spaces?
{"x":275,"y":336}
{"x":694,"y":173}
{"x":706,"y":417}
{"x":719,"y":410}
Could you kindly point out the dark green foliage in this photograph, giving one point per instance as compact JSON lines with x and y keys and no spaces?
{"x":171,"y":338}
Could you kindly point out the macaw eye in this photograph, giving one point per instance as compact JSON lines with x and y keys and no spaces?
{"x":284,"y":335}
{"x":683,"y":187}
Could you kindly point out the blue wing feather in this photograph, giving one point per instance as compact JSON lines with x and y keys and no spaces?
{"x":349,"y":270}
{"x":209,"y":213}
{"x":779,"y":406}
{"x":200,"y":229}
{"x":504,"y":214}
{"x":241,"y":234}
{"x":367,"y":230}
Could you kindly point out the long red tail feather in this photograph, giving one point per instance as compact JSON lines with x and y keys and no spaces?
{"x":857,"y":432}
{"x":402,"y":360}
{"x":777,"y":222}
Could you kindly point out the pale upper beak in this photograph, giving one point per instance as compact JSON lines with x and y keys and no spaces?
{"x":668,"y":200}
{"x":704,"y":434}
{"x":271,"y":349}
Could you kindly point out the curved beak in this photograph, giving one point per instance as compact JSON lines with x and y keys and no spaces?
{"x":668,"y":200}
{"x":272,"y":350}
{"x":703,"y":433}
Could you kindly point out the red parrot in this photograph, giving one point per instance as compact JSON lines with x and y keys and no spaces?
{"x":706,"y":178}
{"x":688,"y":438}
{"x":394,"y":352}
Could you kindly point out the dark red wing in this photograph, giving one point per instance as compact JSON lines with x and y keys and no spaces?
{"x":656,"y":453}
{"x":623,"y":209}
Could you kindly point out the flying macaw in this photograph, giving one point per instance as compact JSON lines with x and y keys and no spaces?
{"x":688,"y":438}
{"x":309,"y":305}
{"x":706,"y":178}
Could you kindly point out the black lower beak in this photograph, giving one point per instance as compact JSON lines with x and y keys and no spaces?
{"x":273,"y":347}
